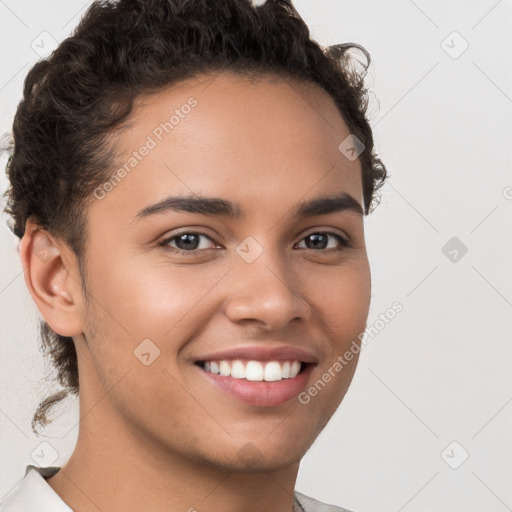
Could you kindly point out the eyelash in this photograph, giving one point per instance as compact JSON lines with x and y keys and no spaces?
{"x":164,"y":243}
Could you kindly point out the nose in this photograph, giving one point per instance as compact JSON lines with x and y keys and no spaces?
{"x":265,"y":292}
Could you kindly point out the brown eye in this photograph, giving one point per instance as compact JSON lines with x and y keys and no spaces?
{"x":320,"y":241}
{"x":187,"y":242}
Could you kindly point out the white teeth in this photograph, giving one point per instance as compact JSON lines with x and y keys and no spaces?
{"x":294,"y":370}
{"x":237,"y":370}
{"x":225,"y":369}
{"x":273,"y":371}
{"x":269,"y":371}
{"x":254,"y":371}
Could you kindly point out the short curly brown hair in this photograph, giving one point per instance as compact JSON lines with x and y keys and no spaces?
{"x":59,"y":152}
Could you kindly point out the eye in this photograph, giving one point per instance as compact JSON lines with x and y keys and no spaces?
{"x":187,"y":242}
{"x":319,"y":241}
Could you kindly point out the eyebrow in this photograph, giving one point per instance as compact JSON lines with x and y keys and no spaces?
{"x":217,"y":206}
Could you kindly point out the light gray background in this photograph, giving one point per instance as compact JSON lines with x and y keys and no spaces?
{"x":440,"y":371}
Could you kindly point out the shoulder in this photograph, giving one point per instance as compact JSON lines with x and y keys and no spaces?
{"x":311,"y":505}
{"x":33,"y":493}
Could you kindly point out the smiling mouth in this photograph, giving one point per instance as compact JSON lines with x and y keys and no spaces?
{"x":254,"y":370}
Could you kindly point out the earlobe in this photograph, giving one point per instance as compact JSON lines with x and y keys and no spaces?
{"x":52,"y":280}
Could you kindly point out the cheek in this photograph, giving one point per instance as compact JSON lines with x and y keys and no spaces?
{"x":342,"y":308}
{"x":342,"y":301}
{"x":341,"y":298}
{"x":155,"y":299}
{"x":128,"y":307}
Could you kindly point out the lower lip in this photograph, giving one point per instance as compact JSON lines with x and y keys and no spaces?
{"x":261,"y":393}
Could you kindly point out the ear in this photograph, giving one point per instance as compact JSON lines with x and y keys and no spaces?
{"x":53,"y":280}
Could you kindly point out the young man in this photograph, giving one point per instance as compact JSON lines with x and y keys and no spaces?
{"x":189,"y":181}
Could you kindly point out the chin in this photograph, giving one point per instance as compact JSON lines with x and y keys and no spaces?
{"x":253,"y":458}
{"x":259,"y":463}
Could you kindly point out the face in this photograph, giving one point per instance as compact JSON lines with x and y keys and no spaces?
{"x":261,"y":279}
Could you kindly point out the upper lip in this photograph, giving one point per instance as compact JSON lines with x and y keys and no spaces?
{"x":260,"y":353}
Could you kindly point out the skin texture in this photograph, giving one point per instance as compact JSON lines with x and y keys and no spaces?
{"x":161,"y":437}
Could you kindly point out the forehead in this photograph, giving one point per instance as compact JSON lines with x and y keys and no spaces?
{"x":262,"y":140}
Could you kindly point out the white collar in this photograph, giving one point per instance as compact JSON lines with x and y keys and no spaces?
{"x":33,"y":493}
